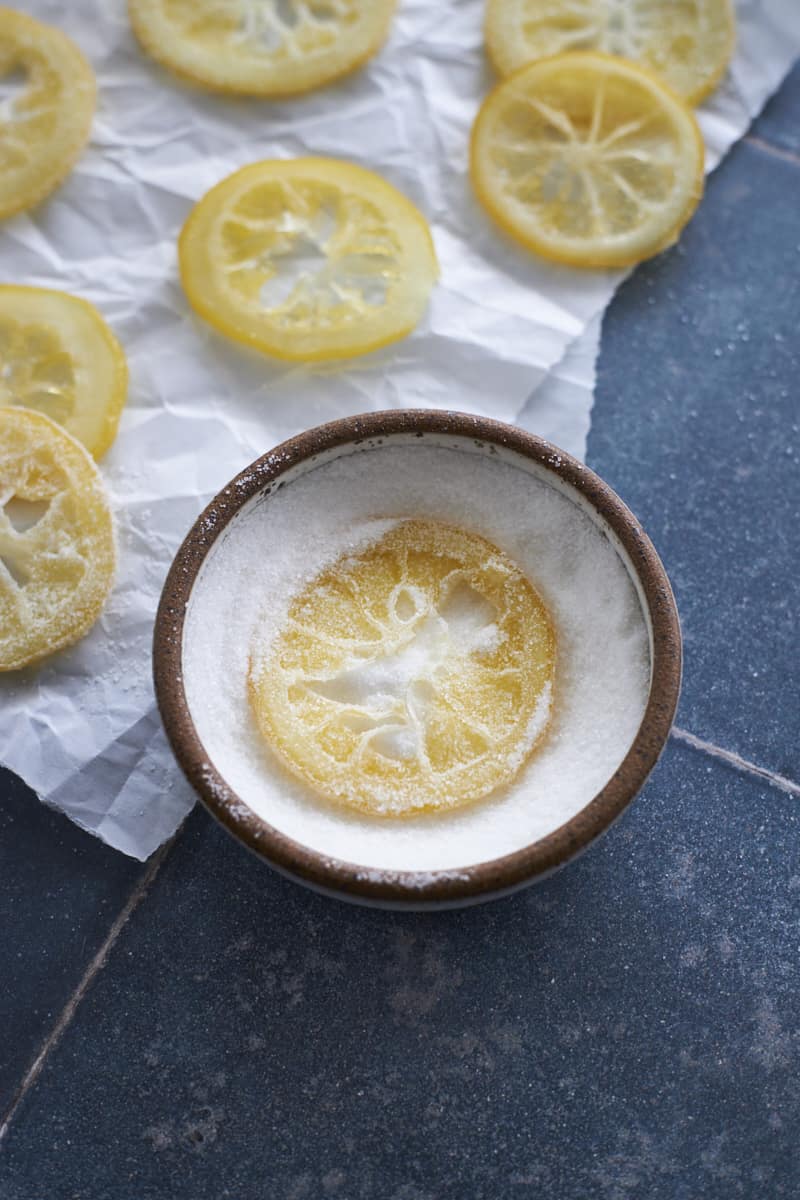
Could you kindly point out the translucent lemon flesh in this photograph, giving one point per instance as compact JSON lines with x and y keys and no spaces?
{"x":588,"y":160}
{"x":414,"y":675}
{"x":57,"y":552}
{"x":47,"y":96}
{"x":58,"y":356}
{"x":262,"y":47}
{"x":308,"y":259}
{"x":689,"y":43}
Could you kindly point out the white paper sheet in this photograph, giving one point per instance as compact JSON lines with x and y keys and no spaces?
{"x":506,"y":335}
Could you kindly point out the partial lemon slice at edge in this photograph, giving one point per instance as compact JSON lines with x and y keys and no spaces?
{"x":46,"y":122}
{"x":260,"y":49}
{"x":57,"y":548}
{"x":689,"y":48}
{"x":58,"y":356}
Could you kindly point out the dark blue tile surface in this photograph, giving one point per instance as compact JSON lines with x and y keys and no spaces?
{"x":60,"y":890}
{"x":779,"y":124}
{"x":697,"y":425}
{"x":629,"y":1029}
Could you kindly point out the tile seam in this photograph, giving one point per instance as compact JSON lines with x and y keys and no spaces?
{"x":95,"y":965}
{"x":768,"y":148}
{"x":736,"y":761}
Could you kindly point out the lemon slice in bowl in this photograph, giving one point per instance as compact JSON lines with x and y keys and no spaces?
{"x":413,"y":675}
{"x":308,"y":259}
{"x":47,"y":96}
{"x":588,"y":160}
{"x":689,"y":44}
{"x":262,"y":47}
{"x":57,"y":553}
{"x":58,"y":356}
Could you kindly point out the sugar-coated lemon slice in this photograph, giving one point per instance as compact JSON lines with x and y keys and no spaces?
{"x":57,"y":553}
{"x":308,"y":259}
{"x":413,"y":675}
{"x":689,"y":44}
{"x":588,"y":159}
{"x":47,"y":95}
{"x":262,"y":47}
{"x":58,"y":356}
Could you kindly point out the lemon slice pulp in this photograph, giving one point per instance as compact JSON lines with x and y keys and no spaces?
{"x":58,"y":356}
{"x":689,"y":43}
{"x":413,"y":675}
{"x":57,"y":550}
{"x":587,"y":159}
{"x":262,"y":47}
{"x":308,"y":259}
{"x":47,"y":95}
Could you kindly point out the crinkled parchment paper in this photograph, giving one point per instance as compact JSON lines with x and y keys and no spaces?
{"x":506,"y":335}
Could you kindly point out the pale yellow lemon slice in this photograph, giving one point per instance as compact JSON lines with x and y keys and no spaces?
{"x":413,"y":675}
{"x":47,"y":95}
{"x":57,"y":553}
{"x":58,"y":356}
{"x":262,"y":47}
{"x":689,"y":43}
{"x":588,"y":159}
{"x":308,"y":259}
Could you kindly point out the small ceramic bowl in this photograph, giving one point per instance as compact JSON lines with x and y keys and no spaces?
{"x":438,"y":888}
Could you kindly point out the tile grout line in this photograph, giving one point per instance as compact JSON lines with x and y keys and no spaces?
{"x":95,"y":966}
{"x":768,"y":148}
{"x":734,"y":760}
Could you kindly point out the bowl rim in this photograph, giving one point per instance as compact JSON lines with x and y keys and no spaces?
{"x":437,"y":888}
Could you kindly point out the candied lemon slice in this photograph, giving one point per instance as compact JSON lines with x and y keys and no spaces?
{"x":57,"y":552}
{"x":47,"y":94}
{"x":262,"y":47}
{"x":413,"y":675}
{"x":58,"y":356}
{"x":689,"y":43}
{"x":308,"y":259}
{"x":588,"y":160}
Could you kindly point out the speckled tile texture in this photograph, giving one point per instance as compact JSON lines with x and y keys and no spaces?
{"x":627,"y":1029}
{"x":59,"y":893}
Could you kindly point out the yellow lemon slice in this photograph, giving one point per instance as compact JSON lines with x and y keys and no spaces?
{"x":413,"y":675}
{"x":588,"y":159}
{"x":47,"y":94}
{"x":58,"y":356}
{"x":308,"y":259}
{"x":57,"y":551}
{"x":262,"y":47}
{"x":688,"y":43}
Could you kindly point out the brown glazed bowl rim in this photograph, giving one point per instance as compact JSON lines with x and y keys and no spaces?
{"x":446,"y":887}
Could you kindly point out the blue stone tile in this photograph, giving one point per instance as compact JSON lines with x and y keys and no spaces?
{"x":626,"y":1030}
{"x":60,"y":890}
{"x":779,"y":123}
{"x":697,"y":426}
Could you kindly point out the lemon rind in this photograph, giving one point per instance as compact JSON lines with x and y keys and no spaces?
{"x":582,"y":257}
{"x":195,"y":278}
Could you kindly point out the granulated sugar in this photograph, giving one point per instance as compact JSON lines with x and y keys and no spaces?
{"x":279,"y":543}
